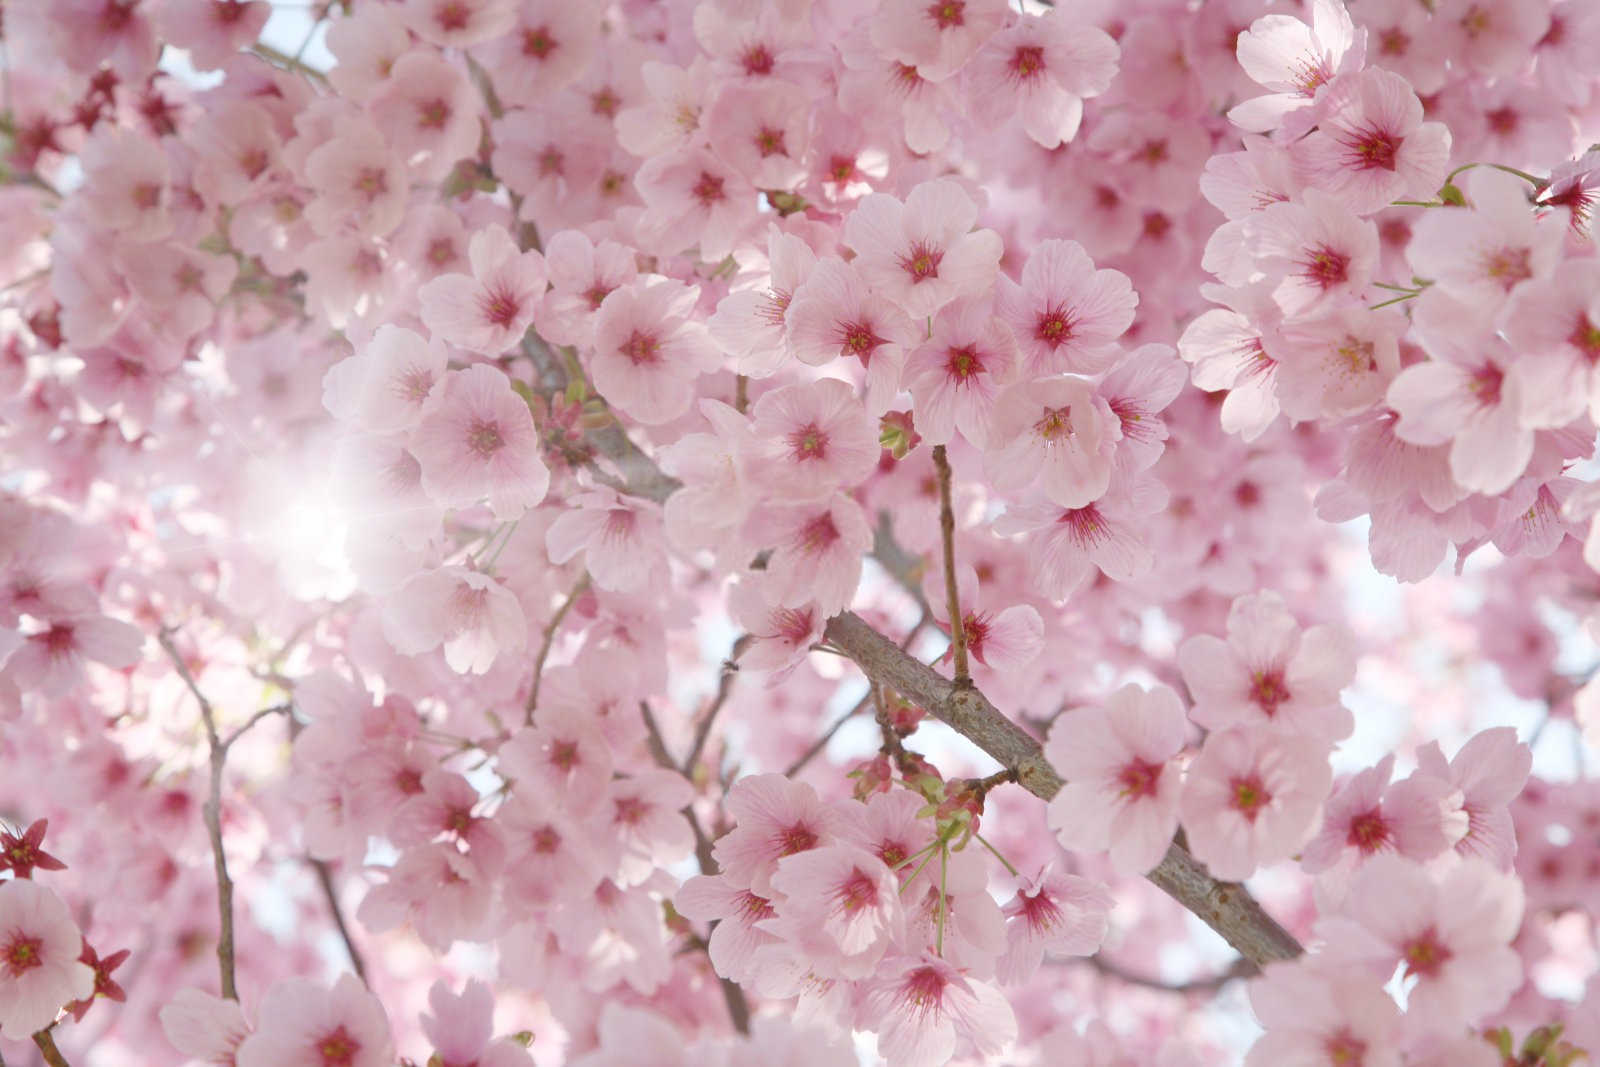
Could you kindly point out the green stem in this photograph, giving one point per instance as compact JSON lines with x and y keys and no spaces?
{"x":1014,"y":872}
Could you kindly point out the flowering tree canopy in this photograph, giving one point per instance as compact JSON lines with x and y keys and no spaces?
{"x":799,"y":532}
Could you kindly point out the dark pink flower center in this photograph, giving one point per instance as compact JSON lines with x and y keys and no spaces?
{"x":1374,"y":149}
{"x":756,"y":60}
{"x":23,"y":955}
{"x":809,"y":442}
{"x":818,"y":535}
{"x":948,"y":13}
{"x":546,"y":840}
{"x":754,"y":908}
{"x":564,"y":755}
{"x":925,"y":989}
{"x":1325,"y":267}
{"x":858,"y":892}
{"x":922,"y":262}
{"x":501,"y":307}
{"x":1139,"y":778}
{"x":964,"y":363}
{"x":630,"y":810}
{"x":641,"y":348}
{"x":1027,"y":61}
{"x":708,"y":190}
{"x":1268,"y":690}
{"x":1424,"y":954}
{"x":1086,"y":526}
{"x":537,"y":43}
{"x":1344,"y":1049}
{"x":1586,"y":338}
{"x":1485,"y":384}
{"x":1053,"y":327}
{"x":484,"y":438}
{"x":769,"y":142}
{"x":1249,"y":796}
{"x":796,"y":838}
{"x":1508,"y":266}
{"x":338,"y":1049}
{"x":1368,"y":831}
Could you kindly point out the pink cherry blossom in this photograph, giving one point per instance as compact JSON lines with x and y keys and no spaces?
{"x":923,"y":253}
{"x":387,"y":385}
{"x":1373,"y":147}
{"x":781,"y":636}
{"x":1066,"y":313}
{"x":1322,"y":252}
{"x":816,"y":555}
{"x":834,"y":313}
{"x":490,"y":311}
{"x":1055,"y":431}
{"x":1056,"y":914}
{"x":479,"y":442}
{"x":1450,"y":926}
{"x":620,"y":538}
{"x":1298,"y":63}
{"x":1003,"y":640}
{"x":1067,"y":545}
{"x":1253,"y":797}
{"x":1270,"y":673}
{"x":752,"y":324}
{"x":926,"y":1010}
{"x":428,"y":112}
{"x":1419,"y":817}
{"x":302,"y":1024}
{"x":1039,"y":69}
{"x":461,"y":1027}
{"x":1122,"y":780}
{"x":1490,"y":769}
{"x":648,"y":350}
{"x":936,"y":39}
{"x":474,"y":617}
{"x":844,"y":898}
{"x":582,"y":274}
{"x":815,"y":439}
{"x":957,"y":374}
{"x":39,"y":967}
{"x":1322,"y":1014}
{"x":774,"y":818}
{"x":206,"y":1027}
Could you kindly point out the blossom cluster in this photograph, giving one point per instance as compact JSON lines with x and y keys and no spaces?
{"x":438,"y":461}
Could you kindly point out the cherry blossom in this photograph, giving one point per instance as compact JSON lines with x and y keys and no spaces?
{"x":479,"y":442}
{"x":302,"y":1023}
{"x":1122,"y":784}
{"x":490,"y":311}
{"x":39,"y":948}
{"x":1252,"y":797}
{"x":922,"y":252}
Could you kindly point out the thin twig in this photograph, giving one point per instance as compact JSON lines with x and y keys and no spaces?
{"x":549,"y":639}
{"x":730,"y":671}
{"x":1240,"y":968}
{"x":47,"y":1049}
{"x":947,"y":533}
{"x":213,"y":817}
{"x":329,"y":890}
{"x":276,"y":709}
{"x":738,"y":1006}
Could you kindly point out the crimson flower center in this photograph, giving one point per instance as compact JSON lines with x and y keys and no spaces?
{"x":1368,"y":831}
{"x":641,"y":348}
{"x":1424,"y":955}
{"x":484,"y":438}
{"x":964,"y":363}
{"x":1326,"y":267}
{"x":809,"y":442}
{"x":1249,"y":796}
{"x":338,"y":1049}
{"x":708,"y":190}
{"x":796,"y":838}
{"x":538,"y":43}
{"x":921,"y":262}
{"x":22,"y":955}
{"x":858,"y":893}
{"x":1139,"y":778}
{"x":1028,"y":61}
{"x":1268,"y":690}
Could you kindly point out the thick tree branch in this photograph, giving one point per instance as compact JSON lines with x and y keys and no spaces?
{"x":213,"y":817}
{"x":1227,"y":907}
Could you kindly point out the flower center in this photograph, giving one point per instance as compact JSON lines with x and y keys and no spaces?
{"x":708,"y":190}
{"x":538,"y":43}
{"x":1325,"y":267}
{"x":922,"y":262}
{"x":964,"y":363}
{"x":1267,"y":689}
{"x":338,"y":1049}
{"x":1053,"y":327}
{"x":1249,"y":796}
{"x":641,"y":348}
{"x":796,"y":838}
{"x":1139,"y":778}
{"x":1424,"y":955}
{"x":809,"y":442}
{"x":769,"y":142}
{"x":1027,"y":61}
{"x":947,"y":13}
{"x":1368,"y":831}
{"x":484,"y":438}
{"x":858,"y":893}
{"x":1508,"y":266}
{"x":757,"y":60}
{"x":22,"y":955}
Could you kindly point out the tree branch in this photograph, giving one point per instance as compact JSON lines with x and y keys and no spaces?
{"x":549,"y":639}
{"x":730,"y":670}
{"x":952,"y":596}
{"x":330,"y":891}
{"x":1209,"y":984}
{"x":738,"y":1006}
{"x":213,"y":817}
{"x":47,"y":1049}
{"x":1227,"y":907}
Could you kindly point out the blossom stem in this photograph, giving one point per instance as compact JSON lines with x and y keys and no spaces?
{"x":549,"y":639}
{"x":997,"y":855}
{"x":47,"y":1049}
{"x":730,"y":670}
{"x":213,"y":818}
{"x":944,"y":901}
{"x":331,"y":892}
{"x":947,"y":533}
